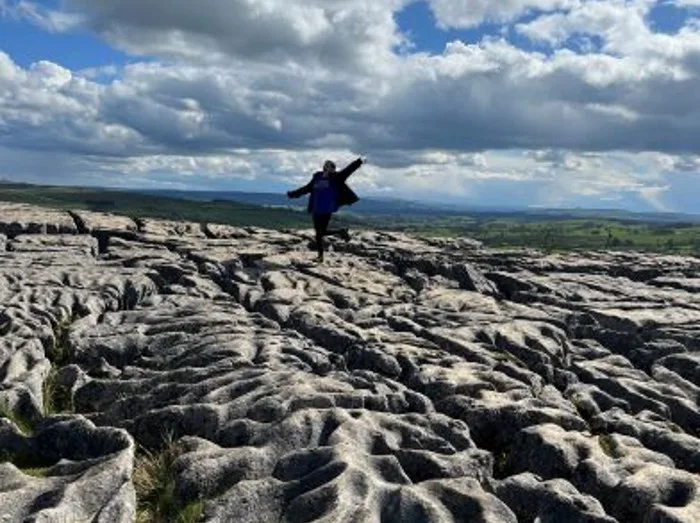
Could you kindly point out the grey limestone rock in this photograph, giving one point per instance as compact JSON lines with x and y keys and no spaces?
{"x":404,"y":379}
{"x":96,"y":222}
{"x":68,"y":470}
{"x":20,"y":218}
{"x":549,"y":501}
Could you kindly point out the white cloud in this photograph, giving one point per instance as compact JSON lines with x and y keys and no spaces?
{"x":622,"y":25}
{"x":601,"y":177}
{"x":337,"y":33}
{"x":267,"y":89}
{"x":473,"y":97}
{"x":678,"y":164}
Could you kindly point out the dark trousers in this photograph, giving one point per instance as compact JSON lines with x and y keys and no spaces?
{"x":321,"y":222}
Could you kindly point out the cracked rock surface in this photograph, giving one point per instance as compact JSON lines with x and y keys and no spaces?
{"x":402,"y":380}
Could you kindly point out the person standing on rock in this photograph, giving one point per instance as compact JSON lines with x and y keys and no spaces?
{"x":328,"y":192}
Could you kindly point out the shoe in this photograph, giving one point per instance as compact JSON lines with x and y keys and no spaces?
{"x":319,"y":259}
{"x":345,"y":235}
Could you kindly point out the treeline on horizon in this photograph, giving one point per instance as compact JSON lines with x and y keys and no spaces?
{"x":548,"y":232}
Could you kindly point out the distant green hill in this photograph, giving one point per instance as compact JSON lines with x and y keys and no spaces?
{"x":368,"y":206}
{"x":544,"y":229}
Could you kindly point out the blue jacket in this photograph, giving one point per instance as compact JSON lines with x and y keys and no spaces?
{"x":345,"y":195}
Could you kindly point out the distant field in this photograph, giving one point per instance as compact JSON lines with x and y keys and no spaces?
{"x":521,"y":230}
{"x":570,"y":234}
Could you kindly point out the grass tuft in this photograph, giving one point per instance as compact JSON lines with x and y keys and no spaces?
{"x":154,"y":482}
{"x":191,"y":513}
{"x":37,"y":472}
{"x":609,"y":445}
{"x":25,"y":427}
{"x":58,"y":354}
{"x":56,"y":400}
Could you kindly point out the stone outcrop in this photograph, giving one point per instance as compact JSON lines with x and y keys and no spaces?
{"x":405,"y":379}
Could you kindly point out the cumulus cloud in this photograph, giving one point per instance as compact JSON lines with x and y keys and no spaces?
{"x":493,"y":95}
{"x":267,"y":89}
{"x":474,"y":97}
{"x":338,"y":33}
{"x":622,"y":25}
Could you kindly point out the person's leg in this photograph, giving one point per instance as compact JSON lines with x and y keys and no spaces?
{"x":343,"y":233}
{"x":321,"y":227}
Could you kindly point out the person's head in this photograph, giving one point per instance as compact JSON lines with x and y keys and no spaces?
{"x":328,"y":167}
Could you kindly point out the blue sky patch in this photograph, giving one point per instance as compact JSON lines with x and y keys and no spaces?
{"x":668,"y":18}
{"x":418,"y":22}
{"x":27,"y":43}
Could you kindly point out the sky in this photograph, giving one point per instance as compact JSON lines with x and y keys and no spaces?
{"x":519,"y":103}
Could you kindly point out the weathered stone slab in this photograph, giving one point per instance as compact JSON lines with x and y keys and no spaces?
{"x":19,"y":218}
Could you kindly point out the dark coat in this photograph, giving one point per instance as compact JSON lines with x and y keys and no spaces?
{"x":346,"y":196}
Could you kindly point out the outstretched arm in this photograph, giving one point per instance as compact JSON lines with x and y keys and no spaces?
{"x":301,"y":191}
{"x":354,"y":166}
